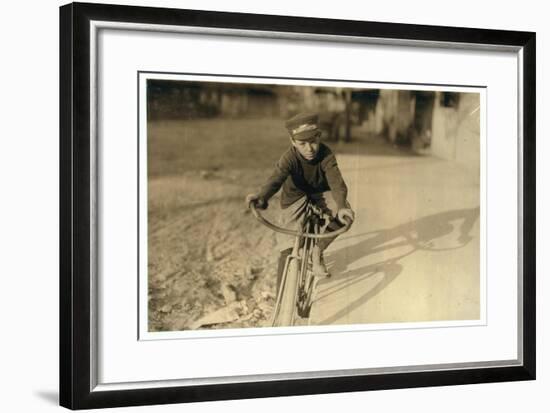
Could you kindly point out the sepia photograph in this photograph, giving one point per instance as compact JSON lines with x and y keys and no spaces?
{"x":292,"y":202}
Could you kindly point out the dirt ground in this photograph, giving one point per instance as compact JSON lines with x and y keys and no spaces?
{"x":211,"y":264}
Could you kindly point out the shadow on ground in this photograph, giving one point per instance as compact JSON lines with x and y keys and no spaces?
{"x":51,"y":397}
{"x":418,"y":234}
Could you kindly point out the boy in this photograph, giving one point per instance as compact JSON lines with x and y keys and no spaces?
{"x":307,"y":172}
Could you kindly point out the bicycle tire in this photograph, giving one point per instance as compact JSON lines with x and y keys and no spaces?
{"x":287,"y":306}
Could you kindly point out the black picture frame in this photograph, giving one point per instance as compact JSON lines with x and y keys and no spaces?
{"x":75,"y":219}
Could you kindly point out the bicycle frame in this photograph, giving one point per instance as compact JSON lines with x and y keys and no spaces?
{"x":301,"y":253}
{"x":308,"y":282}
{"x":298,"y":283}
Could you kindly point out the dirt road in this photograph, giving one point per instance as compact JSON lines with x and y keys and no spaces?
{"x":210,"y":264}
{"x":412,"y":254}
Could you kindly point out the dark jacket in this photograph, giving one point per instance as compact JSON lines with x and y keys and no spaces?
{"x":300,"y":177}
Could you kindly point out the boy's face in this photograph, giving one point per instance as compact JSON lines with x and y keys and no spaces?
{"x":308,"y":148}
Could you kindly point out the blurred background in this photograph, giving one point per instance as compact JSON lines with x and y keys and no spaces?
{"x":419,"y":119}
{"x":409,"y":157}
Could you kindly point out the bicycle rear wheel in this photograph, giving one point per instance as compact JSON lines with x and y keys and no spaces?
{"x":287,"y":306}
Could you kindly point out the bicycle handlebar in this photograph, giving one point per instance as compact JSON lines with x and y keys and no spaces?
{"x":286,"y":231}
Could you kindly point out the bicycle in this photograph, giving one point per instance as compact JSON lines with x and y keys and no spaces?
{"x":298,"y":283}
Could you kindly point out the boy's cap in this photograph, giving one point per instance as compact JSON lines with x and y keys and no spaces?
{"x":303,"y":126}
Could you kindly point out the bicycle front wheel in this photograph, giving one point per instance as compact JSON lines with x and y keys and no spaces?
{"x":287,"y":306}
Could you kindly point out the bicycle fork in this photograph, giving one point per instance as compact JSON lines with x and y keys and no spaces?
{"x":308,"y":281}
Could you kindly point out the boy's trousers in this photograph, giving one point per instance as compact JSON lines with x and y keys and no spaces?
{"x":293,"y":216}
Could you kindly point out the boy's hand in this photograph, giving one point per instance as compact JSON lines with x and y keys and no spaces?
{"x":345,"y":213}
{"x":258,"y":201}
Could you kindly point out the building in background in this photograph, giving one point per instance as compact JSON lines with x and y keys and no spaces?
{"x":444,"y":124}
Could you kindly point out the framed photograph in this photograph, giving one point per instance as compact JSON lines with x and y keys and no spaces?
{"x":258,"y":206}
